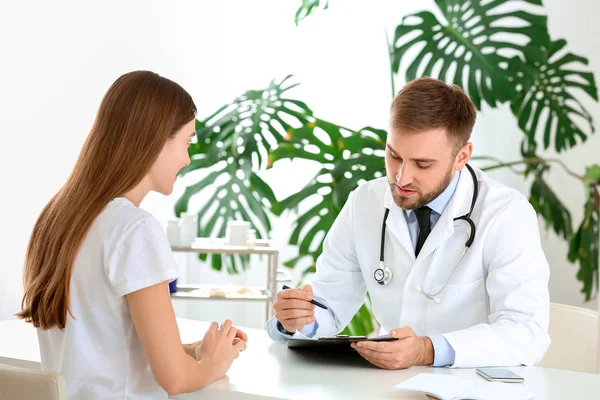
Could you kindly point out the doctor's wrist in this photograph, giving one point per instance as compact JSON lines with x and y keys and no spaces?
{"x":282,"y":329}
{"x":427,"y":351}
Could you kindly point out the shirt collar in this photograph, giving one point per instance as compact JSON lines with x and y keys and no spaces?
{"x":440,"y":203}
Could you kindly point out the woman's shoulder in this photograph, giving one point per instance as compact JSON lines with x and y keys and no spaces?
{"x":120,"y":218}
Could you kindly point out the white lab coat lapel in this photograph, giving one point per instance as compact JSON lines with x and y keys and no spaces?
{"x":396,"y":225}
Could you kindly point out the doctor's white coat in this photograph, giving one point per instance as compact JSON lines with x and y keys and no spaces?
{"x":495,"y":308}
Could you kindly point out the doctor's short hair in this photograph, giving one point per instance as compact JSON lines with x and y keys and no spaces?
{"x":427,"y":103}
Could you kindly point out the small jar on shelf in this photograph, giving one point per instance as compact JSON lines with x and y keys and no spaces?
{"x":251,"y":238}
{"x":188,"y":229}
{"x":173,"y":232}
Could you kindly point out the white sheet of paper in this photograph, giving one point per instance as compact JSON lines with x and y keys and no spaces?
{"x":299,"y":335}
{"x":448,"y":387}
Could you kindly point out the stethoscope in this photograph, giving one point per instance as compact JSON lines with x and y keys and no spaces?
{"x":383,"y":275}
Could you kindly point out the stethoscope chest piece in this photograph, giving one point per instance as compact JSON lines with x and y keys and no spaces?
{"x":382,"y":275}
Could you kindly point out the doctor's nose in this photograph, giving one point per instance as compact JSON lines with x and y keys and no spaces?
{"x":403,"y":178}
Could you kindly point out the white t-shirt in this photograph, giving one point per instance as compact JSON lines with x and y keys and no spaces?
{"x":99,"y":351}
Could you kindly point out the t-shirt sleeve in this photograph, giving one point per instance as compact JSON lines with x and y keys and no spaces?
{"x":141,"y":258}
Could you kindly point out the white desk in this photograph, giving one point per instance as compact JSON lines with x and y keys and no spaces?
{"x":268,"y":370}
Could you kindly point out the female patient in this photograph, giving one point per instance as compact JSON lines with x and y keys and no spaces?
{"x":97,"y":267}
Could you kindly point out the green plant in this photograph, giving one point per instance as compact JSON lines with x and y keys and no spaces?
{"x":307,"y":7}
{"x":263,"y":126}
{"x":250,"y":134}
{"x":232,"y":144}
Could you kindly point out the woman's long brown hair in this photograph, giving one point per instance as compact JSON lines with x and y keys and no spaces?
{"x":138,"y":114}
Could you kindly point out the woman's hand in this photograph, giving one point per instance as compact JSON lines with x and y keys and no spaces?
{"x":195,"y":351}
{"x":220,"y":347}
{"x":190,"y":349}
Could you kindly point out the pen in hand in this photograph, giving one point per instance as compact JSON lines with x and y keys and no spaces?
{"x":313,"y":301}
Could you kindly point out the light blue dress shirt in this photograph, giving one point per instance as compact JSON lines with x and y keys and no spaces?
{"x":443,"y":352}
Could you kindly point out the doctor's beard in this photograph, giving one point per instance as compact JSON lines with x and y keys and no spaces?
{"x":421,"y":199}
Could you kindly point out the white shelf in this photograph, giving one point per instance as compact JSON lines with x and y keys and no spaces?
{"x":242,"y":250}
{"x":232,"y":292}
{"x":221,"y":292}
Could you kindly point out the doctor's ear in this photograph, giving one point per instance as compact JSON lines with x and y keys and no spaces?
{"x":463,"y":156}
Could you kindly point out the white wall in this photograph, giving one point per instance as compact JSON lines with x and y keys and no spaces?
{"x":58,"y":58}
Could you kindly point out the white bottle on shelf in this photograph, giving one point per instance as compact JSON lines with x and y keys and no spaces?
{"x":251,"y":238}
{"x":188,"y":229}
{"x":173,"y":234}
{"x":236,"y":233}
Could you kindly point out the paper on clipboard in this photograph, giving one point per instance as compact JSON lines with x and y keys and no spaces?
{"x":339,"y":341}
{"x":300,"y":335}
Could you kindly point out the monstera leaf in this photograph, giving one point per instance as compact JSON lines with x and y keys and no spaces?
{"x":473,"y":42}
{"x":233,"y":146}
{"x":551,"y":91}
{"x":307,"y":7}
{"x":347,"y":158}
{"x":548,"y":205}
{"x":585,"y":244}
{"x":543,"y":199}
{"x":239,"y":197}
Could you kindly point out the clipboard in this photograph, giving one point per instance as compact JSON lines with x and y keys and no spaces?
{"x":337,"y":342}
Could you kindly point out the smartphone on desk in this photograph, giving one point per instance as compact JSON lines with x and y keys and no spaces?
{"x":499,"y":375}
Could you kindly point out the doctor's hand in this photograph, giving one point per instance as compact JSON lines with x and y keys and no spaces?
{"x":293,"y":308}
{"x":407,"y":351}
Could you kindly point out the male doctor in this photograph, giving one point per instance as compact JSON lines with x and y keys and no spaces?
{"x":402,"y":239}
